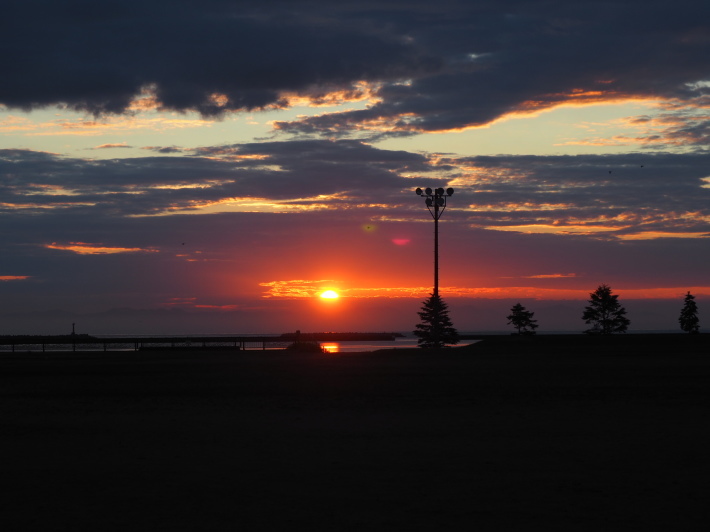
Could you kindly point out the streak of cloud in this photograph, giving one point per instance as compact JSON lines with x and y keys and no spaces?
{"x":112,"y":145}
{"x":613,"y":196}
{"x":83,"y":248}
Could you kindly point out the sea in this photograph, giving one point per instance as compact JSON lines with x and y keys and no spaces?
{"x":362,"y":346}
{"x":329,"y":346}
{"x":410,"y":341}
{"x":407,"y":341}
{"x":359,"y":346}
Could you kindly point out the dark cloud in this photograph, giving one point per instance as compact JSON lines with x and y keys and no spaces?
{"x":683,"y":128}
{"x":627,"y":193}
{"x":524,"y":57}
{"x":272,"y":170}
{"x":164,"y":149}
{"x":446,"y":65}
{"x":97,"y":57}
{"x":111,"y":146}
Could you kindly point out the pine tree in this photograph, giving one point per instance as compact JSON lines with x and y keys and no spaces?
{"x":435,"y":330}
{"x":688,"y":319}
{"x":522,"y":320}
{"x":604,"y":313}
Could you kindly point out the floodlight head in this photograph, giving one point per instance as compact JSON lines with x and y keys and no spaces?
{"x":450,"y":191}
{"x":429,"y":202}
{"x":440,"y":201}
{"x":418,"y":191}
{"x":428,"y":191}
{"x":439,"y":191}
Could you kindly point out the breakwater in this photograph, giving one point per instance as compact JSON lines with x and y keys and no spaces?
{"x":85,"y":342}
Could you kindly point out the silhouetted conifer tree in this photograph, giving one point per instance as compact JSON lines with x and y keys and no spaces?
{"x":522,"y":320}
{"x":436,"y":329}
{"x":604,"y":313}
{"x":688,"y":319}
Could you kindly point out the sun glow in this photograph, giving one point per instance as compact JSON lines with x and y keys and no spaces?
{"x":329,"y":294}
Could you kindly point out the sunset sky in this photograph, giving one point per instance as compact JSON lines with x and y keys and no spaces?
{"x":211,"y":167}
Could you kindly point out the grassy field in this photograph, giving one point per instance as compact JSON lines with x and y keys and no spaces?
{"x":567,"y":433}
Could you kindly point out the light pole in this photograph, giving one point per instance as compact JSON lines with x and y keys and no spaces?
{"x":436,"y":203}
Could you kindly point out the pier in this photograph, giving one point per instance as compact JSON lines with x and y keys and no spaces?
{"x":85,"y":342}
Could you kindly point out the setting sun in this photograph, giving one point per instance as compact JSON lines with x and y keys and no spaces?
{"x":329,"y":294}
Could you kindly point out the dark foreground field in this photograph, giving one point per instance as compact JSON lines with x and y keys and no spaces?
{"x":570,"y":434}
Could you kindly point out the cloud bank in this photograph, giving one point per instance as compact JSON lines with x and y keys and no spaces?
{"x":433,"y":67}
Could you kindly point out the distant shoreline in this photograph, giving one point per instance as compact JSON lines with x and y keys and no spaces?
{"x":671,"y":344}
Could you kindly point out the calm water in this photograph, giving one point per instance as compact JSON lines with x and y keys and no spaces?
{"x":354,"y":347}
{"x":332,"y":347}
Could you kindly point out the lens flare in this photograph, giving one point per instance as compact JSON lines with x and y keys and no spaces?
{"x":330,"y":294}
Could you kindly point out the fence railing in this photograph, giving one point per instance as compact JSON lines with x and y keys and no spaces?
{"x":84,"y":343}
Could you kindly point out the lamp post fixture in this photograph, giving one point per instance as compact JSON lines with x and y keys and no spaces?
{"x":436,"y":203}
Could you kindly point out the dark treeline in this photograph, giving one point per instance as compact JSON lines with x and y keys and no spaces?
{"x":604,"y":346}
{"x":605,"y":314}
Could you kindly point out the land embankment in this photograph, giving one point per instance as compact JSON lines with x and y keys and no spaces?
{"x":574,"y":433}
{"x":85,"y":342}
